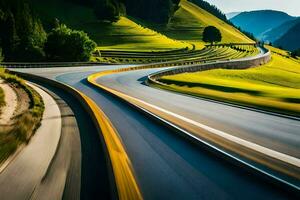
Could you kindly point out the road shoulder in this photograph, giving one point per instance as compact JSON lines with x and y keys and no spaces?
{"x":26,"y":169}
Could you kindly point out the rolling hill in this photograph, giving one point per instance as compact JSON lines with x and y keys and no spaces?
{"x":290,"y":40}
{"x":125,"y":34}
{"x":131,"y":33}
{"x":189,"y":22}
{"x":259,"y":22}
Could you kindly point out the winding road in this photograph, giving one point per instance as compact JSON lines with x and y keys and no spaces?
{"x":167,"y":166}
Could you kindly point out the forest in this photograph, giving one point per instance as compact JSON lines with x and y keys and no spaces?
{"x":155,"y":11}
{"x":23,"y":36}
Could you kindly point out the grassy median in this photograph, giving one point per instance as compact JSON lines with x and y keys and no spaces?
{"x":24,"y":124}
{"x":274,"y":86}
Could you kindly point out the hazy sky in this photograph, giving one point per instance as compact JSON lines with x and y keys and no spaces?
{"x":292,"y":7}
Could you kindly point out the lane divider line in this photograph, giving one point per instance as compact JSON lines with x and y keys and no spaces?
{"x":125,"y":181}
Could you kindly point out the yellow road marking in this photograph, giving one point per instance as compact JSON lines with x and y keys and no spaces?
{"x":250,"y":145}
{"x":125,"y":180}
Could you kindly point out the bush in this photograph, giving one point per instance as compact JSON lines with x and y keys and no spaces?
{"x":211,"y":34}
{"x":64,"y":44}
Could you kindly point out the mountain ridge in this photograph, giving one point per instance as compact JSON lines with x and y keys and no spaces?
{"x":290,"y":40}
{"x":260,"y":21}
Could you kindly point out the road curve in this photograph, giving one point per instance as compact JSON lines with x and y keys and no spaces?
{"x":272,"y":131}
{"x":165,"y":165}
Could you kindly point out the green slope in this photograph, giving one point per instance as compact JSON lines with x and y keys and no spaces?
{"x":122,"y":35}
{"x":189,"y":22}
{"x":187,"y":25}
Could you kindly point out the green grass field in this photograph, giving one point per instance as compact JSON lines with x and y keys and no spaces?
{"x":274,"y":86}
{"x":130,"y":36}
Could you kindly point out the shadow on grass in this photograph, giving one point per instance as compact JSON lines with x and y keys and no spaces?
{"x":212,"y":87}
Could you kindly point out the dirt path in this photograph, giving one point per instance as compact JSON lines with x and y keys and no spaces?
{"x":10,"y":98}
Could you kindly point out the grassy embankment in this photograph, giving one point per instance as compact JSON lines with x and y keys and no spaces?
{"x":25,"y":124}
{"x":274,"y":86}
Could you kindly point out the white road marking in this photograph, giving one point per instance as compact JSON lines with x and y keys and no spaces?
{"x":269,"y":152}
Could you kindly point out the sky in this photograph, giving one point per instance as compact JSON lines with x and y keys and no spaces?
{"x":292,"y":7}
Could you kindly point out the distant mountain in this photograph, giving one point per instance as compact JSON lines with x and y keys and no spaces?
{"x":276,"y":33}
{"x":232,"y":14}
{"x":290,"y":40}
{"x":259,"y":22}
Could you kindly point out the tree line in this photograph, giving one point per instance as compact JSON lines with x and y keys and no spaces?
{"x":23,"y":38}
{"x":156,"y":11}
{"x":21,"y":33}
{"x":210,"y":8}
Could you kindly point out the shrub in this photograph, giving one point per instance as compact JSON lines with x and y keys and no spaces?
{"x":211,"y":34}
{"x":64,"y":44}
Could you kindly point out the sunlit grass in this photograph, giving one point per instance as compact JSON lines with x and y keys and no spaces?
{"x":189,"y":22}
{"x":275,"y":85}
{"x":128,"y":35}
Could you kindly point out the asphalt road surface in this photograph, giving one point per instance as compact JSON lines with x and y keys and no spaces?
{"x":167,"y":166}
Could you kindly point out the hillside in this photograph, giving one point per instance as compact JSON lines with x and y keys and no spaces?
{"x":277,"y":32}
{"x":189,"y":22}
{"x":124,"y":34}
{"x":128,"y":33}
{"x":290,"y":40}
{"x":259,"y":22}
